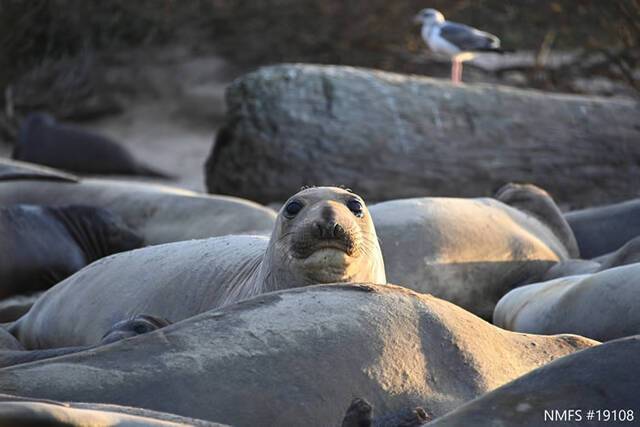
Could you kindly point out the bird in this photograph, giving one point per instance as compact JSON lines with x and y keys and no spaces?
{"x":457,"y":41}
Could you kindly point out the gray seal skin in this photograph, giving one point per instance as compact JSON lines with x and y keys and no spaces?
{"x":16,"y":170}
{"x":603,"y":229}
{"x":305,"y":352}
{"x":160,"y":214}
{"x":322,"y":235}
{"x":8,"y":342}
{"x":627,"y":254}
{"x":44,"y":141}
{"x":41,"y":245}
{"x":14,"y":307}
{"x":20,"y":411}
{"x":13,"y":353}
{"x":599,"y":378}
{"x":472,"y":251}
{"x":601,"y":306}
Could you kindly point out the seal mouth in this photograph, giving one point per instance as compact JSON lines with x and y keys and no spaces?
{"x":305,"y":247}
{"x":305,"y":250}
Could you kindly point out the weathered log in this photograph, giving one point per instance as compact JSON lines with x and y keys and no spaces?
{"x":390,"y":136}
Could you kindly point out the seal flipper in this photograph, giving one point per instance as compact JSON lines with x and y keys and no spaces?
{"x":360,"y":414}
{"x":99,"y":232}
{"x":537,"y":202}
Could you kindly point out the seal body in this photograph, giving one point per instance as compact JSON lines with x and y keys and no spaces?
{"x":319,"y":241}
{"x":606,"y":376}
{"x":20,"y":411}
{"x":601,"y":306}
{"x":467,"y":251}
{"x":44,"y":141}
{"x":41,"y":246}
{"x":629,"y":253}
{"x":160,"y":214}
{"x":604,"y":229}
{"x":322,"y":344}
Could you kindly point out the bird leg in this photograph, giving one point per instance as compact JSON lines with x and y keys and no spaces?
{"x":456,"y":70}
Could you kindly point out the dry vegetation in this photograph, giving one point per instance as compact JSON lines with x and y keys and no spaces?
{"x":51,"y":50}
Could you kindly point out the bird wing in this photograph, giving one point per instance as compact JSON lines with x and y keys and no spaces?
{"x":468,"y":39}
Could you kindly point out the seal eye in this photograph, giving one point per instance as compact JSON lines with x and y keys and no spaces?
{"x":293,"y":208}
{"x":140,"y":328}
{"x":356,"y":207}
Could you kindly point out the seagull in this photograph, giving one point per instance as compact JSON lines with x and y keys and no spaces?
{"x":458,"y":41}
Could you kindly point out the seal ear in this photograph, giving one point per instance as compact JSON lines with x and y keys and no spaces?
{"x":537,"y":202}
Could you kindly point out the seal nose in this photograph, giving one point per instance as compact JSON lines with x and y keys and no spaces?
{"x":328,"y":229}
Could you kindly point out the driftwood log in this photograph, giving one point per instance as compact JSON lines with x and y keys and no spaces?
{"x":390,"y":136}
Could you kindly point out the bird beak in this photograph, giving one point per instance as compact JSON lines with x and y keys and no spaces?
{"x":417,"y":19}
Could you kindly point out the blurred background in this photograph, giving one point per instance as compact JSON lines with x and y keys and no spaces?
{"x":151,"y":73}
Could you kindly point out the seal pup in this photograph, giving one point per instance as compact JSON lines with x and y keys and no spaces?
{"x":44,"y":141}
{"x":323,"y":344}
{"x":43,"y":245}
{"x":601,"y":306}
{"x":321,"y":235}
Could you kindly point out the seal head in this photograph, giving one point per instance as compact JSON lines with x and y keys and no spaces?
{"x":323,"y":235}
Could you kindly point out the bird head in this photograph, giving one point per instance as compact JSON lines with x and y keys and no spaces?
{"x":428,"y":17}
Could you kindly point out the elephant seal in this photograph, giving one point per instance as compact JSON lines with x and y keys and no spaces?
{"x":629,"y":253}
{"x":604,"y":379}
{"x":44,"y":141}
{"x":160,"y":214}
{"x":20,"y":411}
{"x":601,"y":306}
{"x":321,"y":344}
{"x":604,"y":229}
{"x":13,"y":353}
{"x":472,"y":251}
{"x":322,"y":235}
{"x":41,"y":245}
